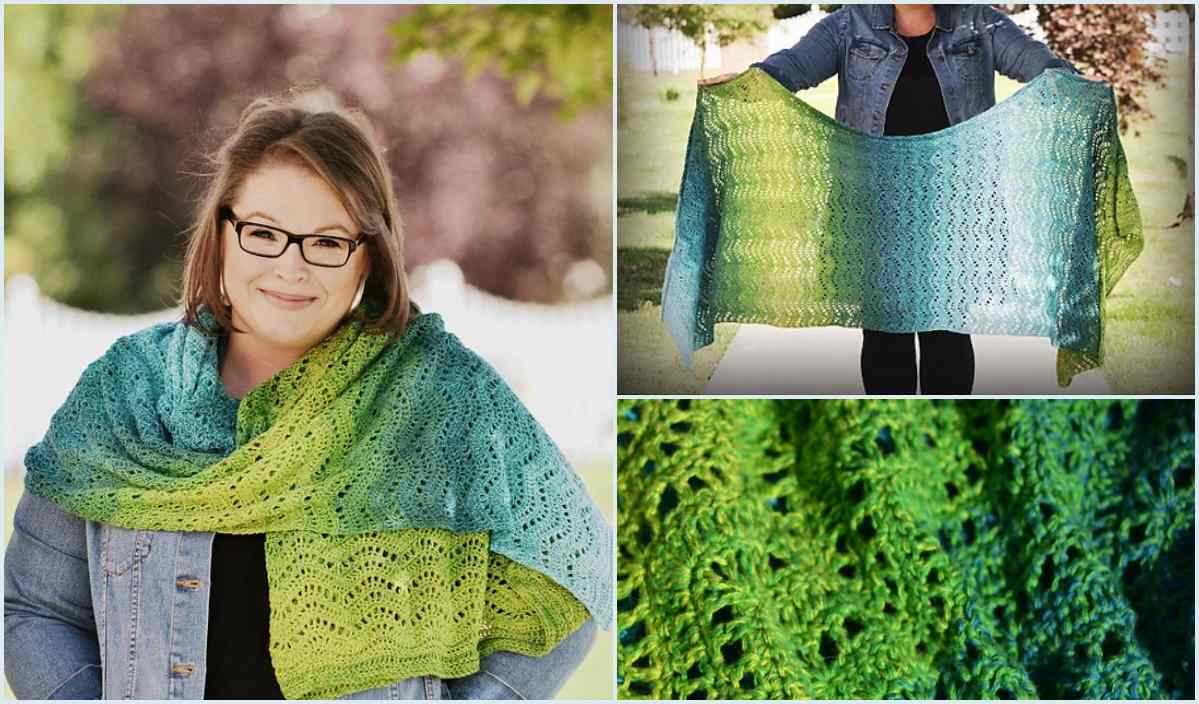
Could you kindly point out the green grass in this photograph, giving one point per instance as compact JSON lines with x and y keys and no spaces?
{"x":641,"y":273}
{"x":595,"y":678}
{"x":1149,"y":344}
{"x":653,"y":202}
{"x":649,"y":362}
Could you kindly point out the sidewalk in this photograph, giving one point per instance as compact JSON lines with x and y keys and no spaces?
{"x":764,"y":360}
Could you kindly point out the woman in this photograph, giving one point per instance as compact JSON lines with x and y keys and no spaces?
{"x":305,"y":488}
{"x":902,"y":70}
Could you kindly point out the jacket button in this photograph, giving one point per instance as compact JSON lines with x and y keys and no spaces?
{"x":186,"y":669}
{"x":187,"y":583}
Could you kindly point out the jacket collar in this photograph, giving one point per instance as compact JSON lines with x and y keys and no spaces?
{"x":883,"y":16}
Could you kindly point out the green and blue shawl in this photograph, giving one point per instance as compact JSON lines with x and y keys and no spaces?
{"x":417,"y":517}
{"x":1017,"y":221}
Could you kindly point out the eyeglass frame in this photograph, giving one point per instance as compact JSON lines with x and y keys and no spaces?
{"x":228,"y":214}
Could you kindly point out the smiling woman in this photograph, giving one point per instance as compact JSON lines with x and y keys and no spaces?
{"x":306,"y":488}
{"x":279,"y":173}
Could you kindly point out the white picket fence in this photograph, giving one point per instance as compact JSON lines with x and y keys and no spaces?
{"x":673,"y":52}
{"x":558,"y":358}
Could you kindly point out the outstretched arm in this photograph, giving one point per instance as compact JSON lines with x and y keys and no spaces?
{"x":1017,"y":55}
{"x":813,"y":59}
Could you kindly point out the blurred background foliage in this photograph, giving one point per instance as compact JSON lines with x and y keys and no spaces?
{"x":563,"y":52}
{"x":497,"y":123}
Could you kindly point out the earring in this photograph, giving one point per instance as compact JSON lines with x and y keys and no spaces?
{"x":358,"y":296}
{"x":224,"y":296}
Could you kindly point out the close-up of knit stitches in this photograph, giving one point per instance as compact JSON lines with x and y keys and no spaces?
{"x":905,"y":548}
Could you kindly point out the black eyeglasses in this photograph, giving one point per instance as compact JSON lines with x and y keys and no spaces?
{"x":271,"y":242}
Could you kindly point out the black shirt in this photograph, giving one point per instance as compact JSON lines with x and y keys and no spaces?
{"x":916,"y":106}
{"x":239,"y":661}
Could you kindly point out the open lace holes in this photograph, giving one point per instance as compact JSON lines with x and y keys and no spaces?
{"x":1184,"y":477}
{"x":1115,"y":417}
{"x":731,"y":652}
{"x":968,"y":531}
{"x":1048,"y":570}
{"x":828,"y":647}
{"x":852,"y":627}
{"x":884,"y":441}
{"x":1112,"y":645}
{"x":723,"y":615}
{"x":668,"y":501}
{"x":633,"y":634}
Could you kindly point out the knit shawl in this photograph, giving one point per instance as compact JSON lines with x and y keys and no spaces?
{"x":1017,"y":221}
{"x":416,"y":516}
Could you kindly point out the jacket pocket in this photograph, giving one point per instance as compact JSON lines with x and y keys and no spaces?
{"x":123,"y":548}
{"x":863,"y":59}
{"x":966,"y":57}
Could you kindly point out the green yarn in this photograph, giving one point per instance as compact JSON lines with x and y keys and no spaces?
{"x":918,"y":549}
{"x":417,"y":517}
{"x":1018,"y":221}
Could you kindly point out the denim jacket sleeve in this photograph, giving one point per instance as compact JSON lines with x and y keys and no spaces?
{"x":1017,"y":55}
{"x":51,"y":650}
{"x":814,"y":58}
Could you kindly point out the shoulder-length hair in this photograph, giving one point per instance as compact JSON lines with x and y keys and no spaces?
{"x":312,"y":128}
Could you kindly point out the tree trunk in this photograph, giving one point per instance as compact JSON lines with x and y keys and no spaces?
{"x":1188,"y":208}
{"x":1188,"y":205}
{"x":703,"y":53}
{"x":653,"y":58}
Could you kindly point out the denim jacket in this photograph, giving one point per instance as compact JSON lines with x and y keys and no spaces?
{"x":95,"y":611}
{"x":859,"y":44}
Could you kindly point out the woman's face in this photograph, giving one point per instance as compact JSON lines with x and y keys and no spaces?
{"x":286,"y":302}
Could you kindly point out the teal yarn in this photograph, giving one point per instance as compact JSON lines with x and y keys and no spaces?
{"x":1018,"y":221}
{"x":365,"y":433}
{"x":905,"y":549}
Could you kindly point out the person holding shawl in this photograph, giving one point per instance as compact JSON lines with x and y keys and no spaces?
{"x":306,"y":488}
{"x":905,"y":70}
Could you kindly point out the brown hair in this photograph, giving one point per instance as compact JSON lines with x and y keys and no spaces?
{"x":311,"y":127}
